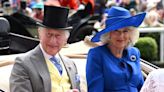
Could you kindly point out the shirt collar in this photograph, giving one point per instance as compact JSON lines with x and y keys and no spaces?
{"x":47,"y":56}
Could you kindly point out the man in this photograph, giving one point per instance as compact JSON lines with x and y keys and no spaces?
{"x":38,"y":11}
{"x":43,"y":69}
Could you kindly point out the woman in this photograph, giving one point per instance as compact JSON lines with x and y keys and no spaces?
{"x":115,"y":66}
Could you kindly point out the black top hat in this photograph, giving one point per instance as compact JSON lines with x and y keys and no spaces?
{"x":55,"y":17}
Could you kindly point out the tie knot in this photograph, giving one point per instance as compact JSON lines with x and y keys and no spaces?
{"x":57,"y":64}
{"x":53,"y":59}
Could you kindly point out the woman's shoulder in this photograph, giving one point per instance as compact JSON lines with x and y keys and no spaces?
{"x":133,"y":53}
{"x":133,"y":50}
{"x":98,"y":49}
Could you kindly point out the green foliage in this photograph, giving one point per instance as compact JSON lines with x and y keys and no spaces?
{"x":148,"y":48}
{"x":156,"y":36}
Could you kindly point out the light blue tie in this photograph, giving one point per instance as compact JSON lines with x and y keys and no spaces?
{"x":57,"y":64}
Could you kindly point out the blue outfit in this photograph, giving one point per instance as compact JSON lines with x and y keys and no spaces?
{"x":106,"y":73}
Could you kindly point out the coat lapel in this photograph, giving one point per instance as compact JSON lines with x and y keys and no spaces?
{"x":41,"y":66}
{"x":70,"y":71}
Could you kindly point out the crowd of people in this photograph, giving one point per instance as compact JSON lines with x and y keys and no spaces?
{"x":34,"y":8}
{"x":153,"y":8}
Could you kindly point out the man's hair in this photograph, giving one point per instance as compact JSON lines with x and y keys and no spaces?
{"x":67,"y":33}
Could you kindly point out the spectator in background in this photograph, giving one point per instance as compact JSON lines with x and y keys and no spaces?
{"x":71,"y":4}
{"x":128,"y":4}
{"x":133,"y":11}
{"x":52,"y":2}
{"x":21,"y":5}
{"x":86,"y":8}
{"x":161,"y":15}
{"x":38,"y":11}
{"x":23,"y":9}
{"x":89,"y":5}
{"x":101,"y":24}
{"x":142,"y":6}
{"x":152,"y":17}
{"x":116,"y":64}
{"x":152,"y":20}
{"x":100,"y":6}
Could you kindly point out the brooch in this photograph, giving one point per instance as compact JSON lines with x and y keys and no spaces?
{"x":133,"y":58}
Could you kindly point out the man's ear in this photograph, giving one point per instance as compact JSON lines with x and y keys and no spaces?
{"x":39,"y":32}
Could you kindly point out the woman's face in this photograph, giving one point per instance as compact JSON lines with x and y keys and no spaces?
{"x":120,"y":38}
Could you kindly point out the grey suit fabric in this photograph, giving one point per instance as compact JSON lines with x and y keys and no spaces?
{"x":30,"y":73}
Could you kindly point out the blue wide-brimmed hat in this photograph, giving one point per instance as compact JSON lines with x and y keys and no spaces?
{"x":119,"y":17}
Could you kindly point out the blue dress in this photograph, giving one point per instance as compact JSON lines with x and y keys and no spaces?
{"x":106,"y":73}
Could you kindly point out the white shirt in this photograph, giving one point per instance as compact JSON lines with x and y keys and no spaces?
{"x":47,"y":56}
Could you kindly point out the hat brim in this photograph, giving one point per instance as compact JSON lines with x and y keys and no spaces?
{"x":134,"y":21}
{"x":42,"y":25}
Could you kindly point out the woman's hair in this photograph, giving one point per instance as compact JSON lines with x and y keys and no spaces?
{"x":134,"y":35}
{"x":67,"y":33}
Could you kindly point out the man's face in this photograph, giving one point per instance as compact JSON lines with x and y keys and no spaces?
{"x":52,"y":40}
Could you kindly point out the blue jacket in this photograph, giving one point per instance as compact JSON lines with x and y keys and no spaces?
{"x":106,"y":73}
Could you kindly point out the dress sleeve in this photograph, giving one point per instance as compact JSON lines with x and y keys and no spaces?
{"x":94,"y":73}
